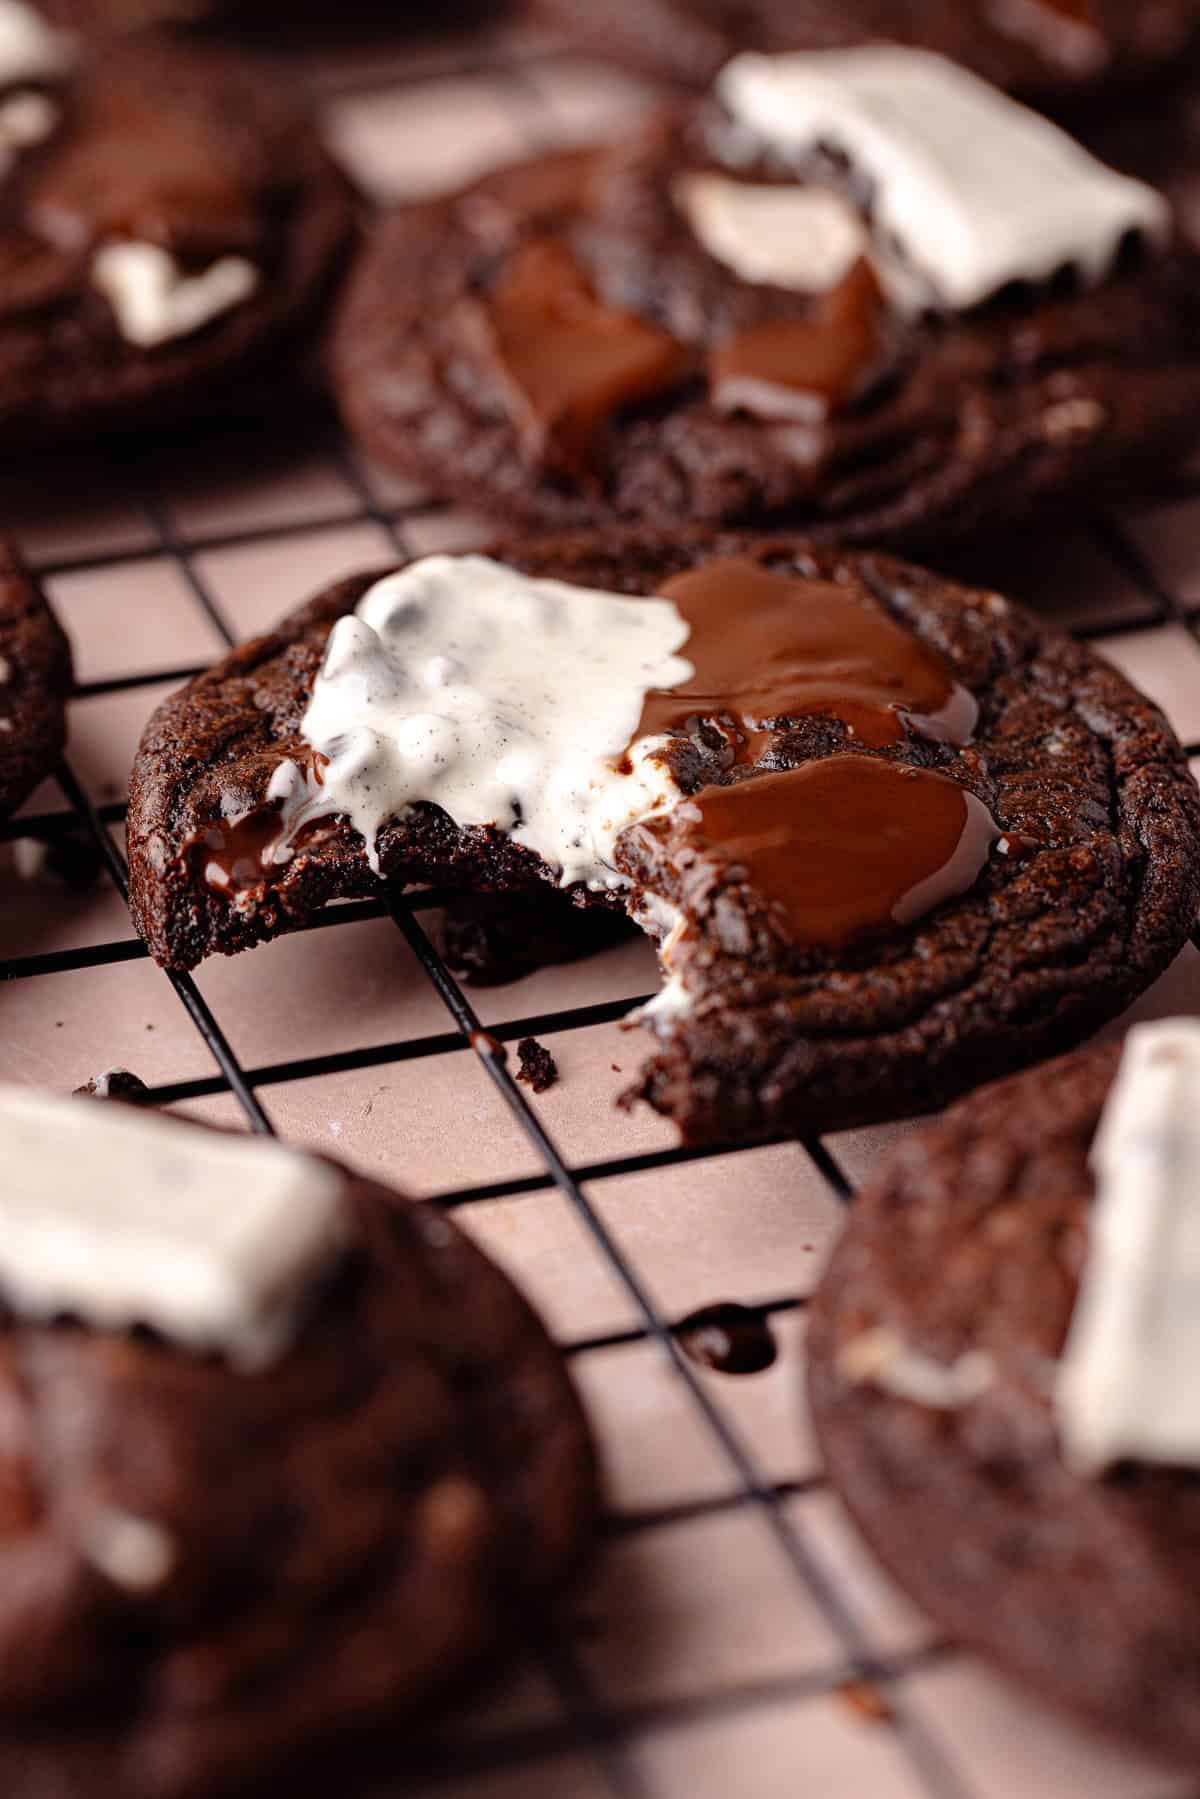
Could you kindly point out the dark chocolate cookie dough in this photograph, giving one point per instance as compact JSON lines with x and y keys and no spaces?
{"x":552,"y":345}
{"x":353,"y":1530}
{"x":1088,"y":892}
{"x":35,"y":678}
{"x":1053,"y":52}
{"x":192,"y":153}
{"x":972,"y":1239}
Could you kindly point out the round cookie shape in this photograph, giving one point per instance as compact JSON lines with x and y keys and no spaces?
{"x":173,"y":220}
{"x":224,"y":1576}
{"x":1055,"y":53}
{"x":575,"y":353}
{"x":964,"y":1258}
{"x":35,"y":679}
{"x":1088,"y":890}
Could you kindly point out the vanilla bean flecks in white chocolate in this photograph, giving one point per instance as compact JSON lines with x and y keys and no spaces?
{"x":968,"y":191}
{"x":155,"y":301}
{"x":1127,"y":1382}
{"x":506,"y":701}
{"x":120,"y":1218}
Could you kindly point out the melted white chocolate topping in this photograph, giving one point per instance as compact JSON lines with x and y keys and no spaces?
{"x":505,"y":700}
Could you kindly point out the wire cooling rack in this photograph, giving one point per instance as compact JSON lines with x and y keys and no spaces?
{"x":861,"y":1703}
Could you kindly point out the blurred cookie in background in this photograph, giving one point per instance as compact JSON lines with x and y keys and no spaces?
{"x":169,"y":218}
{"x":1052,"y":52}
{"x":714,"y":323}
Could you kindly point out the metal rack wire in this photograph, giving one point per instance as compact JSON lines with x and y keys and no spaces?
{"x":587,"y":1725}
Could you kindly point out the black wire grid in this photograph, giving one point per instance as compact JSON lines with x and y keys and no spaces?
{"x":599,"y":1731}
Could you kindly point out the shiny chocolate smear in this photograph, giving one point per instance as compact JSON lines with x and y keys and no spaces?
{"x":237,"y":855}
{"x":767,"y":645}
{"x":569,"y":363}
{"x":805,"y":369}
{"x":729,"y":1338}
{"x":843,"y":847}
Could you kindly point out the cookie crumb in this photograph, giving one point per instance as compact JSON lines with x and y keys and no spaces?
{"x":538,"y":1067}
{"x":114,"y":1083}
{"x":865,"y":1698}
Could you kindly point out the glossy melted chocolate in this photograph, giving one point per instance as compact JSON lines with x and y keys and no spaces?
{"x":843,"y":847}
{"x":568,"y":362}
{"x":767,"y":645}
{"x":806,"y":369}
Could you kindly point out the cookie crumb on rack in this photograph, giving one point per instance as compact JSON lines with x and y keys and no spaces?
{"x":538,"y":1067}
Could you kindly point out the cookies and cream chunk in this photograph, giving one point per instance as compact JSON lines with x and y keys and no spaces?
{"x":1126,"y":1385}
{"x":120,"y":1217}
{"x":154,"y":300}
{"x":507,"y":701}
{"x":968,"y":190}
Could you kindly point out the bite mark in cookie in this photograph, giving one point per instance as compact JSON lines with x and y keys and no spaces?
{"x":884,"y":830}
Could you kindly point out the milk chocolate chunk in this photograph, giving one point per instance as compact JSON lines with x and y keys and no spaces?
{"x":567,"y":362}
{"x":767,"y":645}
{"x":841,"y":848}
{"x":805,"y":368}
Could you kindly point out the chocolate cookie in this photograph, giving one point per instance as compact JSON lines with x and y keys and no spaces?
{"x":35,"y":679}
{"x":1053,"y":52}
{"x":707,"y":326}
{"x":862,"y":911}
{"x":167,"y":218}
{"x":933,"y":1348}
{"x":239,"y":1562}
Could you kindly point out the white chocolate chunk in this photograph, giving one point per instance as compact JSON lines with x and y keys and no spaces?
{"x":506,"y":701}
{"x":881,"y":1358}
{"x":1126,"y":1384}
{"x":25,"y":120}
{"x":154,"y":301}
{"x":30,"y":49}
{"x":121,"y":1217}
{"x":968,"y":189}
{"x":805,"y":238}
